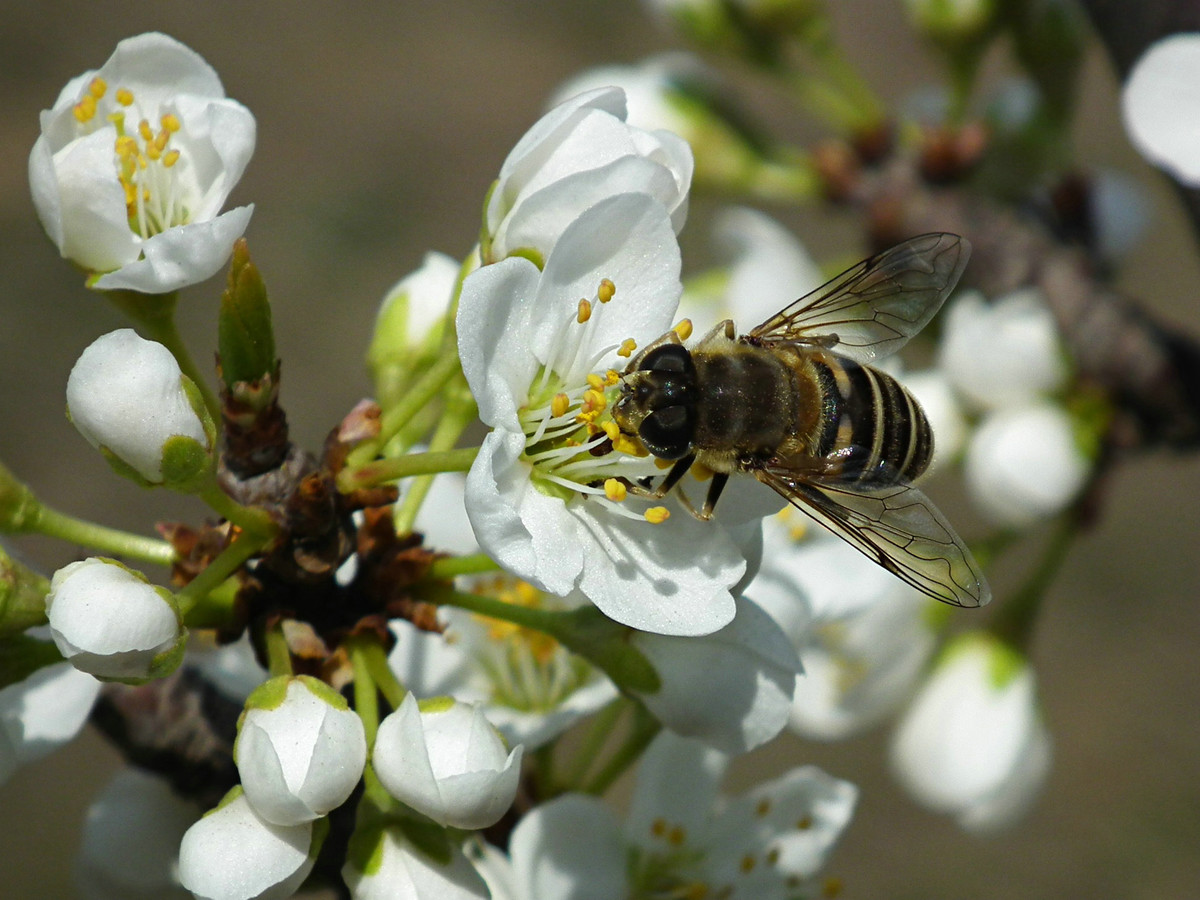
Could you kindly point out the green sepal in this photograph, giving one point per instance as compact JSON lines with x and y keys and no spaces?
{"x":22,"y":597}
{"x":605,"y":644}
{"x":21,"y":656}
{"x":186,"y":464}
{"x":436,"y":704}
{"x":245,"y":334}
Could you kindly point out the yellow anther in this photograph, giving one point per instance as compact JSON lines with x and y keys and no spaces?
{"x":658,"y":827}
{"x":763,"y":807}
{"x":677,"y":835}
{"x":143,"y":128}
{"x":832,"y":887}
{"x":98,"y":87}
{"x":611,"y":377}
{"x":656,"y":515}
{"x":805,"y":823}
{"x":615,"y":490}
{"x":84,"y":109}
{"x":170,"y":123}
{"x":171,"y":158}
{"x":130,"y":193}
{"x":683,"y":329}
{"x":606,"y":290}
{"x":126,"y":147}
{"x":559,"y":405}
{"x":593,"y":400}
{"x":747,"y":864}
{"x":773,"y":856}
{"x":585,"y":312}
{"x":124,"y":96}
{"x":612,"y":430}
{"x":697,"y":890}
{"x":595,"y":382}
{"x":627,"y":347}
{"x":624,"y":444}
{"x":663,"y":463}
{"x":701,"y":472}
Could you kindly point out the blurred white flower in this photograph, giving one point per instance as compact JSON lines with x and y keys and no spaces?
{"x":447,"y":762}
{"x":41,"y":713}
{"x":232,"y":854}
{"x":1025,"y":464}
{"x":129,"y":399}
{"x":1003,"y":353}
{"x":1160,"y":104}
{"x":133,"y":165}
{"x":110,"y":622}
{"x":394,"y":869}
{"x":973,"y":744}
{"x":575,"y":156}
{"x":680,"y":838}
{"x":300,"y":750}
{"x":130,"y":848}
{"x":540,"y":364}
{"x":937,"y":399}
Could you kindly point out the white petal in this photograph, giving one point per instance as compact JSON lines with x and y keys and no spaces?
{"x":177,"y":257}
{"x":402,"y":872}
{"x":677,"y":782}
{"x":44,"y":711}
{"x":1160,"y":104}
{"x":569,"y":849}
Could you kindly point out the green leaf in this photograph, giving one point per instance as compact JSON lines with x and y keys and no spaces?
{"x":245,"y":336}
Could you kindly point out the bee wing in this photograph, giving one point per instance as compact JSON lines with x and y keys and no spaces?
{"x":873,"y":308}
{"x":896,"y":526}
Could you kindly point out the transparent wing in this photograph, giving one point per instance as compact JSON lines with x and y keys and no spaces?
{"x":873,"y":308}
{"x":897,"y":527}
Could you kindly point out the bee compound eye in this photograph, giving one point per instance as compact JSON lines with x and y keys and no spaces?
{"x":667,"y":432}
{"x":668,"y":358}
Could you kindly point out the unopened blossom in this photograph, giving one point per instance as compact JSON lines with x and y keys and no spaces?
{"x":1025,"y":464}
{"x":129,"y":399}
{"x":300,"y":750}
{"x":232,"y":854}
{"x":110,"y":622}
{"x":42,"y":712}
{"x":447,"y":762}
{"x":541,"y":351}
{"x":383,"y":864}
{"x":575,"y":156}
{"x":1160,"y":105}
{"x":973,"y":744}
{"x":131,"y":835}
{"x":133,"y":165}
{"x":681,"y":839}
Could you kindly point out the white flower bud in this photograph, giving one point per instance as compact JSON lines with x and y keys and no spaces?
{"x":447,"y":762}
{"x":1160,"y":104}
{"x":110,"y":622}
{"x":1002,"y":353}
{"x":1024,"y":465}
{"x":300,"y":750}
{"x":129,"y":399}
{"x":973,"y":743}
{"x":232,"y":854}
{"x":394,"y":868}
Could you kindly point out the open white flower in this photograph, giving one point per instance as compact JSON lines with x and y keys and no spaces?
{"x":575,"y":156}
{"x":134,"y":163}
{"x":129,"y":399}
{"x":541,"y":366}
{"x":1160,"y":104}
{"x":110,"y":622}
{"x":300,"y":750}
{"x":680,"y":839}
{"x":384,"y":865}
{"x":973,"y":743}
{"x":43,"y":712}
{"x":447,"y":762}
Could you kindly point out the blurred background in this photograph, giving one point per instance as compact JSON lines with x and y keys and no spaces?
{"x":381,"y":126}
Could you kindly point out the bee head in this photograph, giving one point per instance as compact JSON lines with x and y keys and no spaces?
{"x":658,"y":401}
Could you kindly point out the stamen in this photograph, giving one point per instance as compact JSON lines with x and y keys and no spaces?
{"x":684,"y":329}
{"x":585,"y":312}
{"x":98,"y":87}
{"x":615,"y":490}
{"x":627,"y":347}
{"x":606,"y":291}
{"x":656,"y":515}
{"x":124,"y":96}
{"x":560,"y":404}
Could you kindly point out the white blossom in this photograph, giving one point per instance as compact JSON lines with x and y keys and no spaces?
{"x":541,"y":377}
{"x":129,"y":399}
{"x":41,"y":713}
{"x":1160,"y":104}
{"x":395,"y":869}
{"x":943,"y":411}
{"x":680,"y":837}
{"x":447,"y":762}
{"x":232,"y":854}
{"x":110,"y":622}
{"x":973,"y":744}
{"x":133,"y":165}
{"x":131,"y":835}
{"x":1025,"y":464}
{"x":300,"y":750}
{"x":578,"y":154}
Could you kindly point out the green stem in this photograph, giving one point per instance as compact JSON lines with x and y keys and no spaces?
{"x":455,"y":421}
{"x":601,"y":729}
{"x":1015,"y":618}
{"x":382,"y":471}
{"x":381,"y":673}
{"x":154,"y":316}
{"x":59,"y":525}
{"x":452,"y":566}
{"x":232,"y":558}
{"x":366,"y":698}
{"x":426,"y":388}
{"x":249,"y":519}
{"x":645,"y":728}
{"x":529,"y":617}
{"x":279,"y":655}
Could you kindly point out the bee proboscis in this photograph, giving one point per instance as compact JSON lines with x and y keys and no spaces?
{"x":796,"y":403}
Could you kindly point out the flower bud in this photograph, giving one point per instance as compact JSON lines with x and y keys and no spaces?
{"x":1160,"y":102}
{"x":300,"y":750}
{"x":447,"y":762}
{"x":110,"y":622}
{"x":129,"y":399}
{"x":951,"y":21}
{"x":383,"y":864}
{"x":232,"y":854}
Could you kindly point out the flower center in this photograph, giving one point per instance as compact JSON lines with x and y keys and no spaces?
{"x":573,"y":444}
{"x":527,"y":669}
{"x":147,"y":164}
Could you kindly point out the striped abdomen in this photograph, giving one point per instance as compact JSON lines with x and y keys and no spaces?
{"x":872,"y":430}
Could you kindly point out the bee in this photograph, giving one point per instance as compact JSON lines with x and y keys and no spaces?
{"x":796,"y":403}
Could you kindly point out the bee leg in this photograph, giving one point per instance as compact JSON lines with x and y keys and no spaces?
{"x":714,"y":492}
{"x":678,"y":470}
